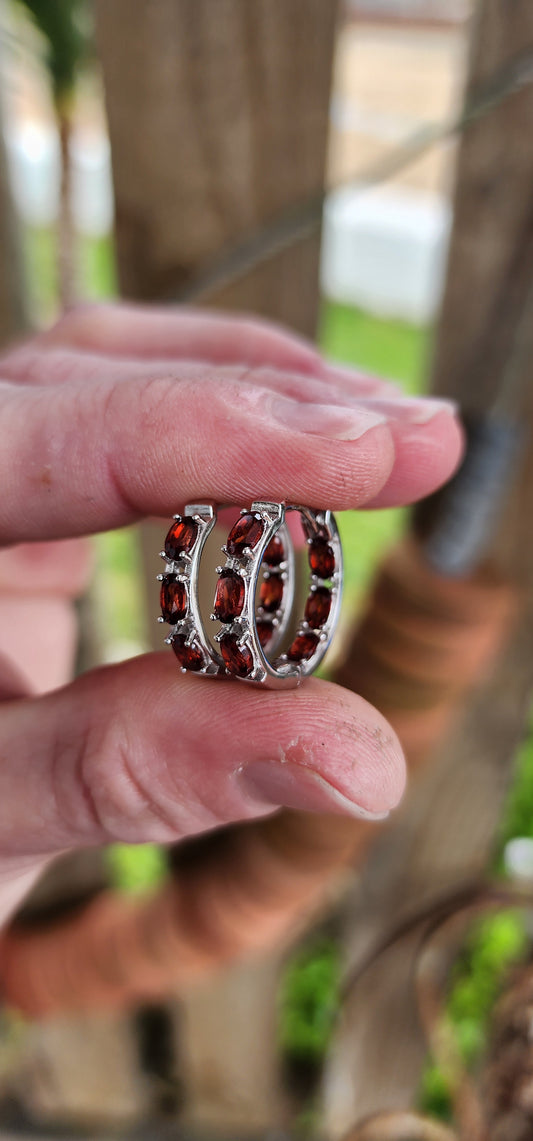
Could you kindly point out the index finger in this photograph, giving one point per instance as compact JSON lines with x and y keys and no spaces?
{"x":81,"y":458}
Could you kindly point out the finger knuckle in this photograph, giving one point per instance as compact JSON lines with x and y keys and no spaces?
{"x":115,"y":778}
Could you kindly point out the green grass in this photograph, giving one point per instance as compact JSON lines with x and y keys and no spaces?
{"x":390,"y":349}
{"x":95,"y":271}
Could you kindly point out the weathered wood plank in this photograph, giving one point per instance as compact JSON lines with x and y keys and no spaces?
{"x":218,"y":117}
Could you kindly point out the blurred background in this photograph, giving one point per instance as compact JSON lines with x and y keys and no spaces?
{"x":370,"y":186}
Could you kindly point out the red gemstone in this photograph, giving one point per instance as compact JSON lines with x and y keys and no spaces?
{"x":246,"y":532}
{"x":321,"y":558}
{"x":275,"y":552}
{"x":191,"y":657}
{"x":229,"y":597}
{"x":265,"y":631}
{"x":173,"y":599}
{"x":271,"y":592}
{"x":181,"y":537}
{"x":317,"y":607}
{"x":237,"y":659}
{"x":303,"y":647}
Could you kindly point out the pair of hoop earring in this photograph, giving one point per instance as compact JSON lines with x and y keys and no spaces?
{"x":255,"y":594}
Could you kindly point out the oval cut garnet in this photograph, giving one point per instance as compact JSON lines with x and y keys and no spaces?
{"x":271,"y":593}
{"x":229,"y":597}
{"x":181,"y":537}
{"x":317,"y":607}
{"x":275,"y":552}
{"x":237,"y":659}
{"x":321,"y":558}
{"x":303,"y":647}
{"x":246,"y":532}
{"x":173,"y":599}
{"x":265,"y":631}
{"x":191,"y":657}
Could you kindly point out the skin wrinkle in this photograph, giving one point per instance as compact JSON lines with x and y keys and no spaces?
{"x":189,"y":790}
{"x":183,"y":791}
{"x":127,"y":506}
{"x":141,"y":767}
{"x":149,"y":809}
{"x":110,"y":759}
{"x":69,"y":754}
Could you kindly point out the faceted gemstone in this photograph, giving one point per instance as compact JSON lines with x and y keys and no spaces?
{"x":317,"y":607}
{"x":274,"y":553}
{"x":237,"y":659}
{"x":191,"y":657}
{"x":246,"y":532}
{"x":265,"y":631}
{"x":229,"y":597}
{"x":271,"y":593}
{"x":321,"y":558}
{"x":303,"y":647}
{"x":173,"y":599}
{"x":181,"y":537}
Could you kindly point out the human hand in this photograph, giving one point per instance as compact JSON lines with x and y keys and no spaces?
{"x":116,"y":414}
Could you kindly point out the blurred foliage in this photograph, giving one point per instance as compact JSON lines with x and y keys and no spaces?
{"x":96,"y":270}
{"x":308,"y":1000}
{"x":136,"y":869}
{"x":494,"y":945}
{"x":65,"y":27}
{"x":518,"y":818}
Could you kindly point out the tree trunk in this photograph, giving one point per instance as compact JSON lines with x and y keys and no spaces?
{"x":446,"y":831}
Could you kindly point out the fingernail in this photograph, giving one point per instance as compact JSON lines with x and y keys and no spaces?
{"x":334,"y":421}
{"x":285,"y":785}
{"x":412,"y":410}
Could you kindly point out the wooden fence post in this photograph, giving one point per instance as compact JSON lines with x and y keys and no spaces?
{"x":218,"y":118}
{"x":446,"y":831}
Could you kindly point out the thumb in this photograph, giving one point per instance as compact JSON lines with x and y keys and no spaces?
{"x":138,"y":753}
